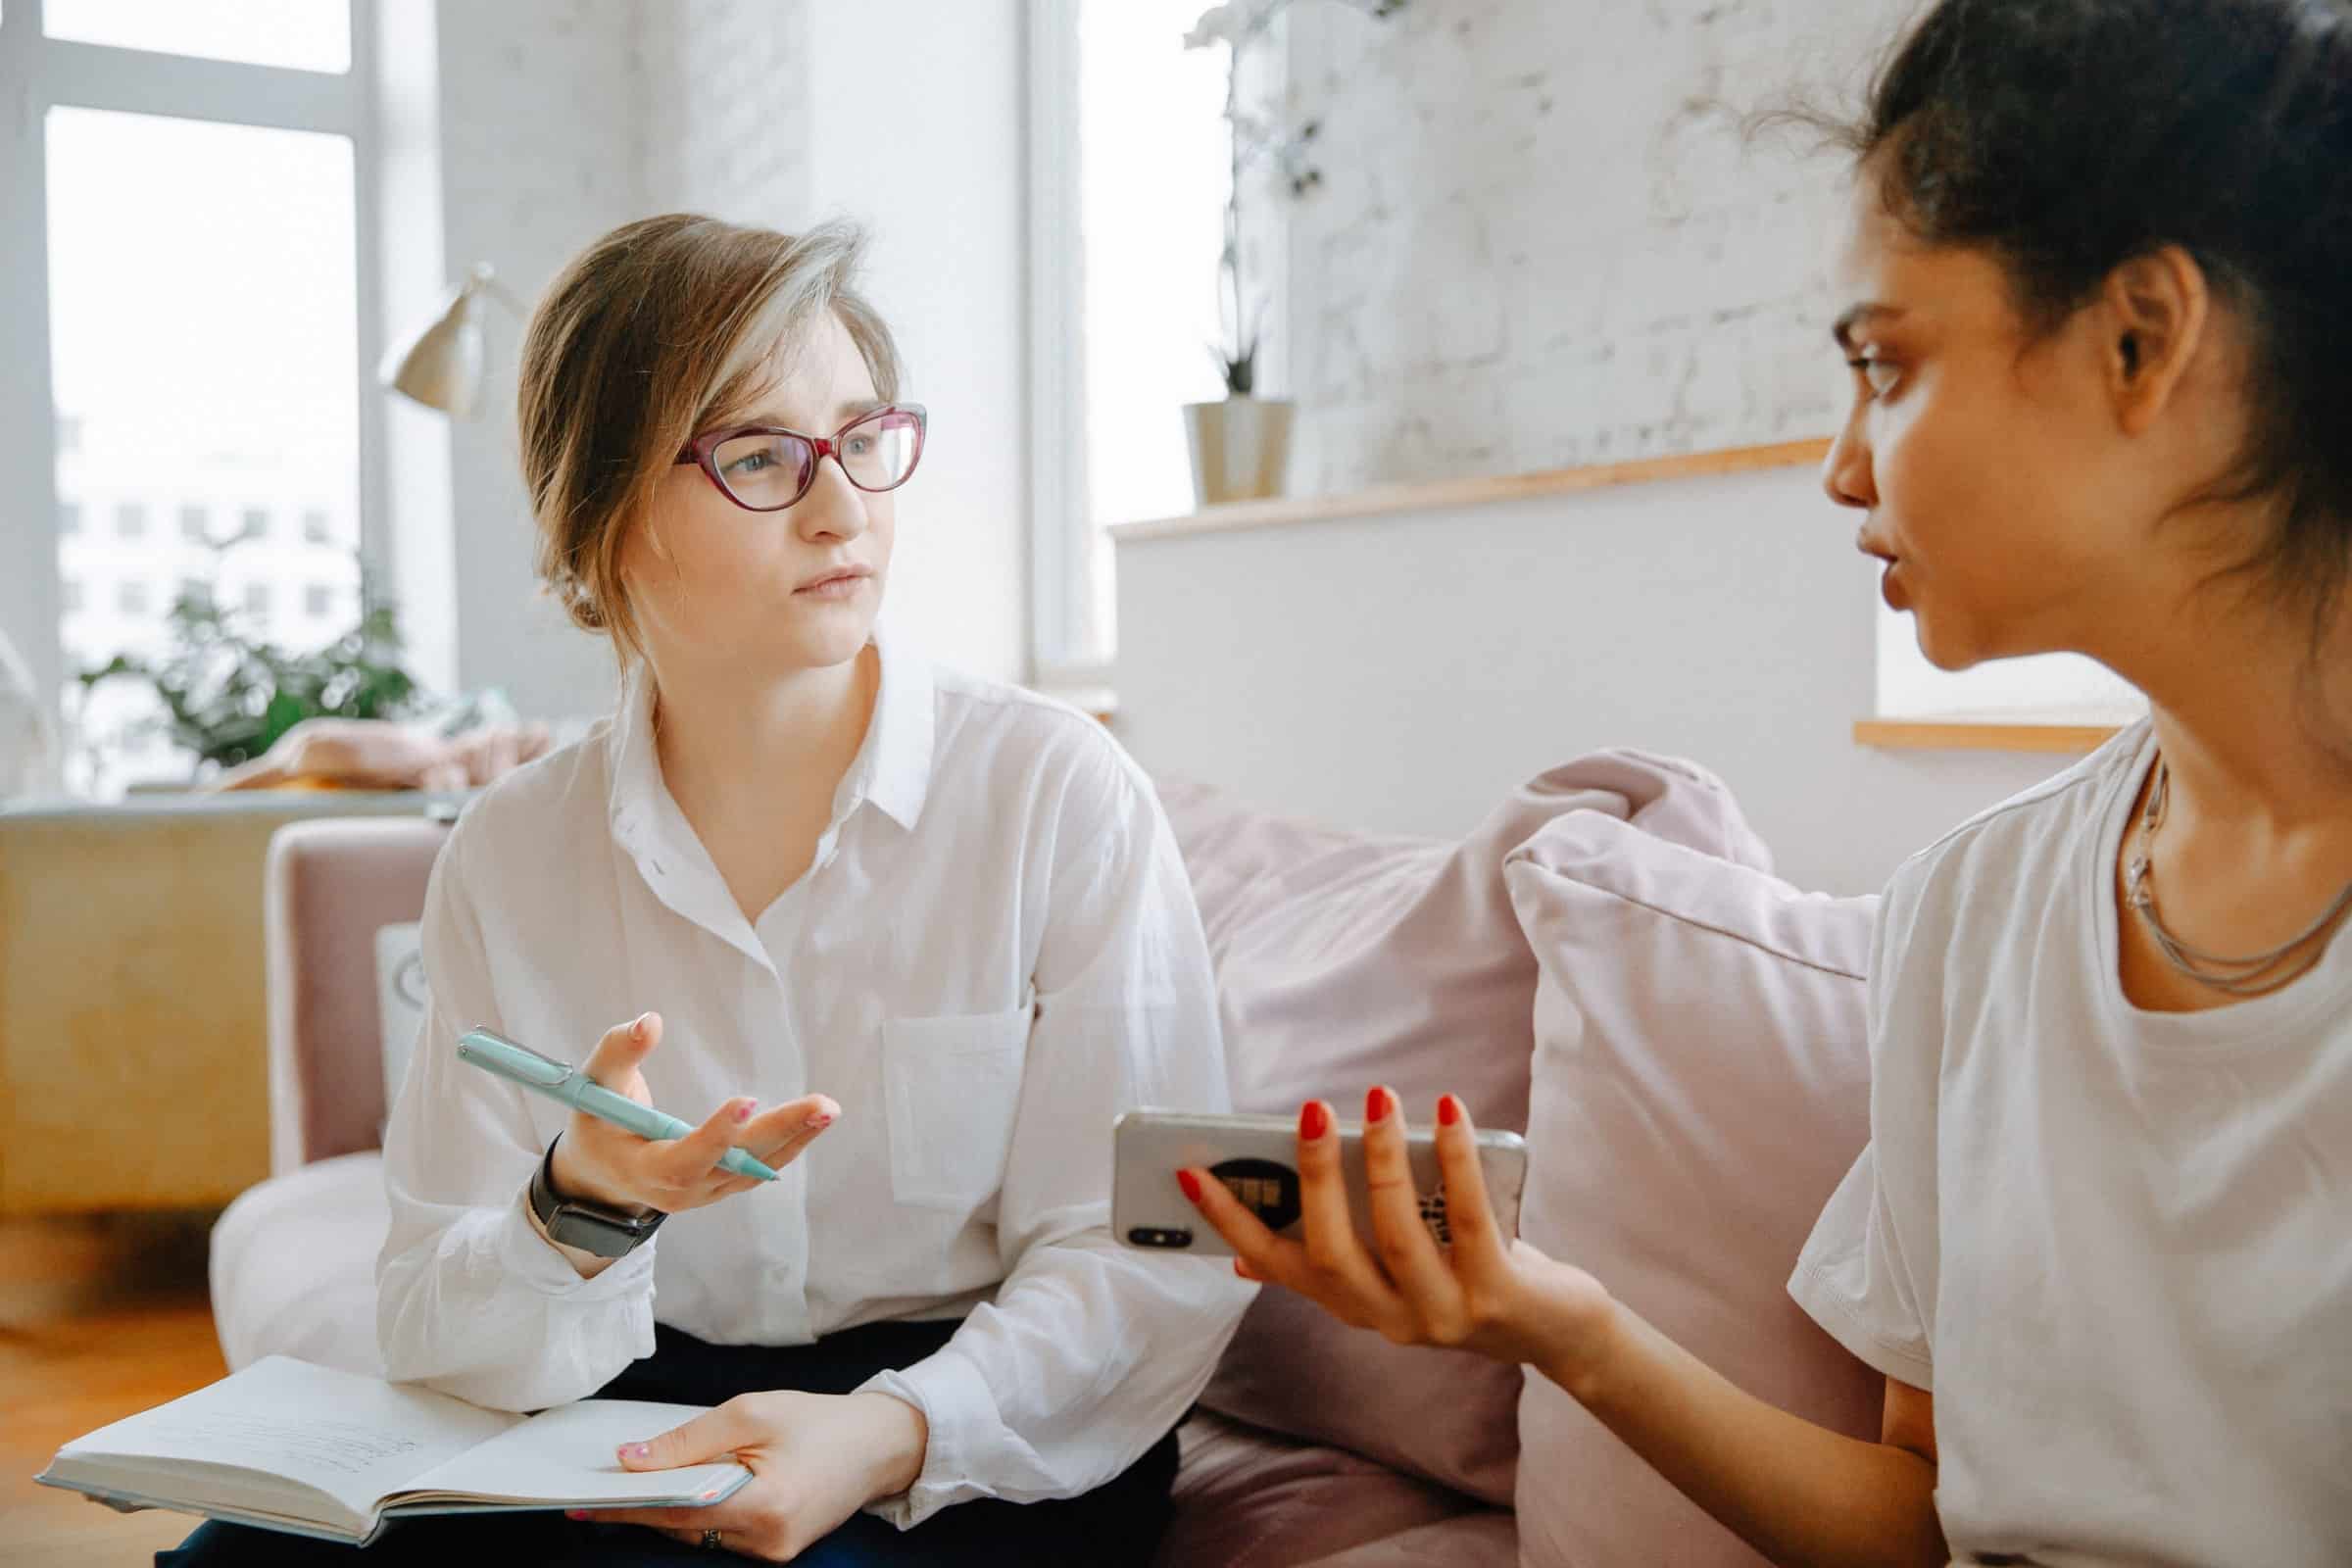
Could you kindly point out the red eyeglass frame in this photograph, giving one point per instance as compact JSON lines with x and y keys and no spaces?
{"x":699,"y":451}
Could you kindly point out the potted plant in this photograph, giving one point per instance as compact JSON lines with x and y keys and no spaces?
{"x":1241,"y":444}
{"x":228,"y":696}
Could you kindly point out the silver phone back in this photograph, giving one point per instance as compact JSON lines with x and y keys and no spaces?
{"x":1257,"y":1157}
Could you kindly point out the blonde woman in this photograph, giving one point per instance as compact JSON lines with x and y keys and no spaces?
{"x":913,"y":937}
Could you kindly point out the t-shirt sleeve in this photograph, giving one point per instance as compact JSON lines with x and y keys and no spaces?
{"x":1867,"y":1274}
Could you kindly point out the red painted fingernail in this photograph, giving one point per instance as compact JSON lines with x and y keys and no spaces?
{"x":1191,"y":1185}
{"x":576,"y":1513}
{"x":819,"y":1122}
{"x":1449,"y":1111}
{"x":743,"y":1113}
{"x":1313,"y":1120}
{"x":1376,"y":1105}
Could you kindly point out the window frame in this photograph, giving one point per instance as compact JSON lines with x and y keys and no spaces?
{"x":39,"y":72}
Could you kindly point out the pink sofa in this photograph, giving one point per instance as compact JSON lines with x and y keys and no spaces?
{"x":293,"y":1258}
{"x":1605,"y":962}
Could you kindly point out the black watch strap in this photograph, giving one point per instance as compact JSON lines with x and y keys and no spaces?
{"x":590,"y":1227}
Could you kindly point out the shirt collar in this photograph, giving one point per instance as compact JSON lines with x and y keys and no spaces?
{"x":894,"y":766}
{"x":891,"y":767}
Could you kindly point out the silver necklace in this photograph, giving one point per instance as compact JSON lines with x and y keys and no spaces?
{"x":2256,"y":974}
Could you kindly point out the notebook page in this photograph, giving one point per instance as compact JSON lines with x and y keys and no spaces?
{"x":350,"y":1438}
{"x":567,"y":1454}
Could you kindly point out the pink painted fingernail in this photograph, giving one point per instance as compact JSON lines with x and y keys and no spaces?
{"x":632,"y":1450}
{"x":743,"y":1113}
{"x":820,"y":1122}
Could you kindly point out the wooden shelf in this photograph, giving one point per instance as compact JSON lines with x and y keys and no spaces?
{"x":1982,"y":735}
{"x":1453,"y":494}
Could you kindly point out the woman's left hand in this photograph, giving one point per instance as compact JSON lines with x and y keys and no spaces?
{"x":1486,"y":1293}
{"x":815,"y":1459}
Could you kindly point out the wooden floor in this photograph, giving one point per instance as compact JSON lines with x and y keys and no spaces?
{"x":99,"y":1317}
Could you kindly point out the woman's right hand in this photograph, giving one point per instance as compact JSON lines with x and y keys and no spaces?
{"x":600,"y":1163}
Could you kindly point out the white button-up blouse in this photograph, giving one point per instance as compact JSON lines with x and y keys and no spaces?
{"x":993,"y":952}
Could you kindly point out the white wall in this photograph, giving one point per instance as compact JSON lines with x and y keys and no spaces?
{"x":1539,"y":241}
{"x":725,"y":124}
{"x":539,"y":144}
{"x":561,"y":119}
{"x":1400,"y":673}
{"x":917,"y":114}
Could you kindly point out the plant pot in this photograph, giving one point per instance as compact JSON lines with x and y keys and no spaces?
{"x":1241,"y":447}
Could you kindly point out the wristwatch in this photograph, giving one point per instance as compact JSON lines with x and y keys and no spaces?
{"x":590,"y":1227}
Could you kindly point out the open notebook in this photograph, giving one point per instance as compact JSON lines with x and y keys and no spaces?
{"x":290,"y":1445}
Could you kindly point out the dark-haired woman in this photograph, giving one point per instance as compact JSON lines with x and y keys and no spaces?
{"x":2098,"y":306}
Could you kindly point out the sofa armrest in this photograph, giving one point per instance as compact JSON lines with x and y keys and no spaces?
{"x":332,"y":883}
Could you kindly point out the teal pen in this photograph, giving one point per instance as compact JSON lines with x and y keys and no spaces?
{"x":561,"y":1080}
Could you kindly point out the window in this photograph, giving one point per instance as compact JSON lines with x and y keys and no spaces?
{"x":1129,"y":175}
{"x":131,"y":521}
{"x":303,"y":34}
{"x":195,"y":590}
{"x":256,"y":524}
{"x":2046,"y":688}
{"x":257,"y":599}
{"x":235,"y":370}
{"x":318,"y":600}
{"x":315,"y":528}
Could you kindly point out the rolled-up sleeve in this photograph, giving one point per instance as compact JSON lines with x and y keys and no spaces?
{"x":1090,"y":1353}
{"x":470,"y":1298}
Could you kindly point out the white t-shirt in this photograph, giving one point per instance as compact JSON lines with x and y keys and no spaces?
{"x":2116,"y":1243}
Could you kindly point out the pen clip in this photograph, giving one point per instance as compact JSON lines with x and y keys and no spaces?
{"x":512,"y":1059}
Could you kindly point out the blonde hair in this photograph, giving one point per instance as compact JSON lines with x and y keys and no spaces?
{"x":648,"y":336}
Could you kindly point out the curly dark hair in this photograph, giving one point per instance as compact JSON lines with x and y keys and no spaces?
{"x":2067,"y":137}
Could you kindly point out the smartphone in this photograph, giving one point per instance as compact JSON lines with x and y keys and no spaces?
{"x":1256,"y":1157}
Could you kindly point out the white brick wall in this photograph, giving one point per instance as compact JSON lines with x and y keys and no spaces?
{"x":724,"y":108}
{"x":1540,"y":241}
{"x":539,"y":151}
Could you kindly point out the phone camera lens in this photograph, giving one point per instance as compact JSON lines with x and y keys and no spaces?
{"x":1147,"y":1236}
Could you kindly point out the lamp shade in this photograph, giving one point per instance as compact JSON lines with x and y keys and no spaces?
{"x":441,"y":365}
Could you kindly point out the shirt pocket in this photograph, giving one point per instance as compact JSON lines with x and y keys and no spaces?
{"x":951,"y":1085}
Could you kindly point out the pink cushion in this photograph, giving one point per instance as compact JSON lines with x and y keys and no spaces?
{"x":1247,"y":1499}
{"x":1700,"y":1086}
{"x":1344,"y":961}
{"x":1483,"y":1538}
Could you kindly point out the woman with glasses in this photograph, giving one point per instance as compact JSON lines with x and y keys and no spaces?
{"x":910,"y":938}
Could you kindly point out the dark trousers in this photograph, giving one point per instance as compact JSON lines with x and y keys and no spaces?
{"x":1117,"y":1524}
